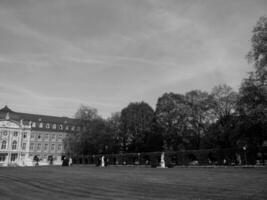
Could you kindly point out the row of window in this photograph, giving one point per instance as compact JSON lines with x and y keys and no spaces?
{"x":15,"y":134}
{"x":54,"y":126}
{"x":39,"y":145}
{"x":46,"y":136}
{"x":3,"y":156}
{"x":24,"y":135}
{"x":14,"y":145}
{"x":45,"y":147}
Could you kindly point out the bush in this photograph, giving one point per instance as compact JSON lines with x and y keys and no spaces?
{"x":173,"y":158}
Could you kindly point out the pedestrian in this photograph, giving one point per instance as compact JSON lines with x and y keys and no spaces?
{"x":70,"y":161}
{"x":36,"y":159}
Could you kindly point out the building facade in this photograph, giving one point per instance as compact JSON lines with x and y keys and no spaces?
{"x":24,"y":136}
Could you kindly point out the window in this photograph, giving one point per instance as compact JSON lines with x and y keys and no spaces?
{"x":54,"y":126}
{"x":33,"y":124}
{"x":59,"y":147}
{"x":38,"y":147}
{"x":39,"y":136}
{"x":3,"y":157}
{"x":24,"y":135}
{"x":73,"y":128}
{"x":67,"y":128}
{"x":78,"y":128}
{"x":3,"y":146}
{"x":52,"y":147}
{"x":46,"y":147}
{"x":60,"y":127}
{"x":31,"y":146}
{"x":23,"y":146}
{"x":32,"y":135}
{"x":15,"y":134}
{"x":5,"y":133}
{"x":14,"y":157}
{"x":47,"y":125}
{"x":46,"y":136}
{"x":41,"y":125}
{"x":53,"y":137}
{"x":60,"y":136}
{"x":14,"y":145}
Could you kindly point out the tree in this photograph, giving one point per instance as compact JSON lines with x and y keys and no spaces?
{"x":98,"y":139}
{"x":154,"y":138}
{"x":224,"y":105}
{"x":136,"y":121}
{"x":114,"y":128}
{"x":252,"y":104}
{"x":222,"y":135}
{"x":200,"y":118}
{"x":258,"y":53}
{"x":86,"y":113}
{"x":87,"y":140}
{"x":252,"y":97}
{"x":224,"y":100}
{"x":172,"y":115}
{"x":72,"y":143}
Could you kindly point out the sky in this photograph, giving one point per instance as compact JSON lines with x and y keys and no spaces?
{"x":58,"y":54}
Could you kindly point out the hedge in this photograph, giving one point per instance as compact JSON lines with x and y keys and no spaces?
{"x":175,"y":158}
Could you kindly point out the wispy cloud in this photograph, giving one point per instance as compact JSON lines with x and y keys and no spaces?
{"x":60,"y":54}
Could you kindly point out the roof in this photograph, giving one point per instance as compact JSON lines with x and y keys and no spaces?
{"x":27,"y":118}
{"x":6,"y":109}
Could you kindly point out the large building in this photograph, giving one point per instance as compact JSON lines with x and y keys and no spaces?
{"x":24,"y":136}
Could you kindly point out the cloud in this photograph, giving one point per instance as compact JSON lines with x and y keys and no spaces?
{"x":66,"y":106}
{"x":62,"y":53}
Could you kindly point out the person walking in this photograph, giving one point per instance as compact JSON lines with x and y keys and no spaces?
{"x":70,"y":161}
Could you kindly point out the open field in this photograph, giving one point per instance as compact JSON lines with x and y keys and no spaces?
{"x":83,"y":182}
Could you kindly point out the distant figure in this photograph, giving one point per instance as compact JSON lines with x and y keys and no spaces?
{"x":210,"y":162}
{"x":98,"y":162}
{"x":70,"y":161}
{"x":36,"y":159}
{"x":65,"y":161}
{"x":162,"y":160}
{"x":195,"y":162}
{"x":107,"y":162}
{"x":238,"y":158}
{"x":50,"y":160}
{"x":62,"y":158}
{"x":102,"y":161}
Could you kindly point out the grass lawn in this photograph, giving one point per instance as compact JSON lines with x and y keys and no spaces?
{"x":84,"y":182}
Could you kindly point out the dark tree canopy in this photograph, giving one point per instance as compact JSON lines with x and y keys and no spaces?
{"x":258,"y":53}
{"x":252,"y":104}
{"x":136,"y":121}
{"x":172,"y":114}
{"x":224,"y":100}
{"x":86,"y":113}
{"x":200,"y":107}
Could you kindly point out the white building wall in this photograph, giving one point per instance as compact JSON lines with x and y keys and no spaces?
{"x":24,"y":157}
